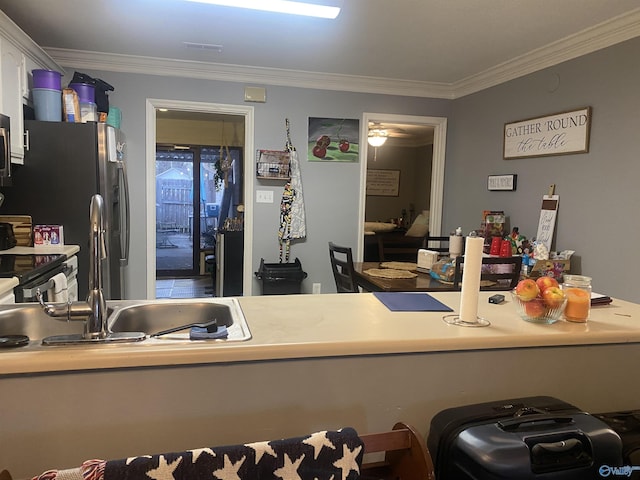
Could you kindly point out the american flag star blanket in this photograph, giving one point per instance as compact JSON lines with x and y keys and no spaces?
{"x":326,"y":455}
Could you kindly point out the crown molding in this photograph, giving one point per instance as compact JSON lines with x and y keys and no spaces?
{"x":606,"y":34}
{"x":245,"y":74}
{"x":616,"y":30}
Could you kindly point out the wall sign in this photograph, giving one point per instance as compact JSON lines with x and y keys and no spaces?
{"x":502,"y":182}
{"x":384,"y":183}
{"x":559,"y":134}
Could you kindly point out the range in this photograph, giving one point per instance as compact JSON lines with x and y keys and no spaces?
{"x":33,"y":271}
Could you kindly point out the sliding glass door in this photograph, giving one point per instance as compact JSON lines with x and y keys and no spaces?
{"x":197,"y":189}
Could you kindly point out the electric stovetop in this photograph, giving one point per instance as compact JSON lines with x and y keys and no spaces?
{"x":28,"y":267}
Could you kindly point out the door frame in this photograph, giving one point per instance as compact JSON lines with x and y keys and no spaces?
{"x":152,"y":104}
{"x":439,"y":125}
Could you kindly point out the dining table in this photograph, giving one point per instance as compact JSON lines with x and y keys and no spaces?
{"x":423,"y":282}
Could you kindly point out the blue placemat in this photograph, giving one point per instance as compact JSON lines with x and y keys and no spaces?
{"x":411,"y":302}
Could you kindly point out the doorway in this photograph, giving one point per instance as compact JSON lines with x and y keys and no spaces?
{"x":218,"y":111}
{"x":433,"y":183}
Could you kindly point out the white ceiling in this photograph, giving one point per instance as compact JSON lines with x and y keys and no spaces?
{"x":439,"y":48}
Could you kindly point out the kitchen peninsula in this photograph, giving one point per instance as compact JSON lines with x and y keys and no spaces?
{"x":314,"y":362}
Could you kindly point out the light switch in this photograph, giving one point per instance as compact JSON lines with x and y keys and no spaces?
{"x":264,"y":196}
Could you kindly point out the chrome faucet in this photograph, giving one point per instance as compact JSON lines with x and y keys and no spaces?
{"x":96,"y":325}
{"x":94,"y":310}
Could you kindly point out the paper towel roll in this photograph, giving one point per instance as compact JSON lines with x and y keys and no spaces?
{"x":455,"y":245}
{"x":471,"y":279}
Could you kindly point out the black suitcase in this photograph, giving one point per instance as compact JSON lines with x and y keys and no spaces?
{"x":627,"y":425}
{"x":522,"y":438}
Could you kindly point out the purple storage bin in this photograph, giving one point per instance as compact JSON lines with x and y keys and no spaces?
{"x":86,"y":93}
{"x":49,"y":79}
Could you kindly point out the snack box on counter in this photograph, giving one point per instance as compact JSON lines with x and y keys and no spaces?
{"x":48,"y":237}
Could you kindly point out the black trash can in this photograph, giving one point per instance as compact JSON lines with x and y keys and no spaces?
{"x":281,"y":278}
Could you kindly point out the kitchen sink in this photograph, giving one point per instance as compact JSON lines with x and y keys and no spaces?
{"x":29,"y":319}
{"x":148,"y":316}
{"x":155,"y":316}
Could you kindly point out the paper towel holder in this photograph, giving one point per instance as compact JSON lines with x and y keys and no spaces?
{"x":470,"y":280}
{"x":454,"y":319}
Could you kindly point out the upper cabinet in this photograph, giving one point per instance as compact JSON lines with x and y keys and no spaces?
{"x":19,"y":55}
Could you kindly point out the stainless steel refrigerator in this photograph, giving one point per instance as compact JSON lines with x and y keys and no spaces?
{"x":65,"y":165}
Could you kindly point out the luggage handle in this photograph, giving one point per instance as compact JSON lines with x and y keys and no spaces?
{"x":555,"y":447}
{"x":515,"y":423}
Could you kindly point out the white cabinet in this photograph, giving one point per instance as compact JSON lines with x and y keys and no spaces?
{"x":19,"y":55}
{"x":13,"y":78}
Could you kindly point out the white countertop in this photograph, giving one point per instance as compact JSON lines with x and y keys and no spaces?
{"x":304,"y":326}
{"x":68,"y":250}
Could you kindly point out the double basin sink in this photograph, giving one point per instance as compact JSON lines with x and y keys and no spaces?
{"x":146,"y":316}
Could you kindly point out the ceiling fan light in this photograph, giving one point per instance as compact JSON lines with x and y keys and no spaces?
{"x":376,"y":138}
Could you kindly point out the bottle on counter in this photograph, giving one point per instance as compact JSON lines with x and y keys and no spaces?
{"x":577,"y":288}
{"x":455,"y":243}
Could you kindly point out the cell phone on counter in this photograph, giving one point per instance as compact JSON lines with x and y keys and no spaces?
{"x":497,"y":298}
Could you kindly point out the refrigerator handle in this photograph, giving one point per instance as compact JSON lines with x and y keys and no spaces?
{"x":126,"y":224}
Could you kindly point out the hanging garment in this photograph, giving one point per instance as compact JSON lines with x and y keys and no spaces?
{"x":292,"y":216}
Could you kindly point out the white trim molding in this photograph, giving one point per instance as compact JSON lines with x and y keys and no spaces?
{"x":185,"y":106}
{"x":439,"y":125}
{"x":81,"y":59}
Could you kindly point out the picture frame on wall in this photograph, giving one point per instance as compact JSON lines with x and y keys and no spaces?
{"x":383,"y":183}
{"x":333,"y":140}
{"x":562,"y":133}
{"x":502,"y":182}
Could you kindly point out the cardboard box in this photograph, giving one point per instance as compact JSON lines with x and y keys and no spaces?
{"x":553,"y":268}
{"x":48,"y":237}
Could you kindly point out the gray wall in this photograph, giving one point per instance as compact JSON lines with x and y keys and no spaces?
{"x":331,"y":190}
{"x":598,"y":190}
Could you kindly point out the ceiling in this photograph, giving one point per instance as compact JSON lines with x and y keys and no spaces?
{"x":435,"y":48}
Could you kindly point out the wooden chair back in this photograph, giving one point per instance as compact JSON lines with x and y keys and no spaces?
{"x":406,"y":455}
{"x":502,"y":281}
{"x":342,"y":267}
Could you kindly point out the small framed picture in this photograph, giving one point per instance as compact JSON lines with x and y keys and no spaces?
{"x":502,"y":182}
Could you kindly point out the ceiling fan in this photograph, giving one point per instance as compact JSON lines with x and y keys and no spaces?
{"x":386,"y":130}
{"x":395,"y":131}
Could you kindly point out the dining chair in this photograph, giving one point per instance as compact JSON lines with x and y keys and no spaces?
{"x":399,"y":247}
{"x":342,"y":267}
{"x":506,"y":279}
{"x":443,"y":245}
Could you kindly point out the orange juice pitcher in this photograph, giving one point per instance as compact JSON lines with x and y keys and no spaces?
{"x":577,"y":288}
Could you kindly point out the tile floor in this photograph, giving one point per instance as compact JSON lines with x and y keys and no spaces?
{"x":194,"y":287}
